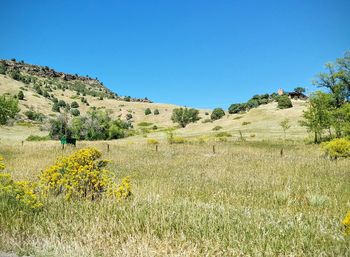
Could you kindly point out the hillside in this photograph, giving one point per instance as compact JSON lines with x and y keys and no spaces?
{"x":41,"y":85}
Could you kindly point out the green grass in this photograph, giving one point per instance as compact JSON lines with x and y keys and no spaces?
{"x":244,"y":200}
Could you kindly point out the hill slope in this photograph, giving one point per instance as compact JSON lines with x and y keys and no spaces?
{"x":41,"y":85}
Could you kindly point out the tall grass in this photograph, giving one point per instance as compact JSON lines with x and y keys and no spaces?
{"x":245,"y":200}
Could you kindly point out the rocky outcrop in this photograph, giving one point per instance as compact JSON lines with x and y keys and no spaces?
{"x":46,"y":72}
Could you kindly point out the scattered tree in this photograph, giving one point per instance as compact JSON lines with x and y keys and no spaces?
{"x":20,"y":95}
{"x":8,"y":108}
{"x":148,"y":111}
{"x":184,"y":116}
{"x":283,"y":102}
{"x":285,"y":125}
{"x":217,"y":114}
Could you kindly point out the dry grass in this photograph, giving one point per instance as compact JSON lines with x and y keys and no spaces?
{"x":245,"y":200}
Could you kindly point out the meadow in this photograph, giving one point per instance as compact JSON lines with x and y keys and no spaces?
{"x":243,"y":200}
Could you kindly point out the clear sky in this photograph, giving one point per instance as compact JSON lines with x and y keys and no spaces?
{"x":196,"y":53}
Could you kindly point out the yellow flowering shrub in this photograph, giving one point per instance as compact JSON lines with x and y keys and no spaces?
{"x":336,"y":148}
{"x":82,"y":175}
{"x":22,"y":193}
{"x":346,"y":223}
{"x":2,"y":165}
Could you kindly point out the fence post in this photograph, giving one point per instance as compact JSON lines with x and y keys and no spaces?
{"x":281,"y":152}
{"x":107,"y":148}
{"x":156,"y":148}
{"x":213,"y":149}
{"x":22,"y":142}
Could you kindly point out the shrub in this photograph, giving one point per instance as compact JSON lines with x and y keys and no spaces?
{"x":156,"y":112}
{"x":115,"y":132}
{"x":184,"y":116}
{"x":35,"y":116}
{"x":19,"y":193}
{"x":20,"y":95}
{"x":128,"y":116}
{"x":74,"y":104}
{"x":236,"y":108}
{"x":336,"y":148}
{"x":223,"y":134}
{"x":83,"y":175}
{"x":75,"y":112}
{"x":35,"y":138}
{"x":148,"y":111}
{"x":217,"y":113}
{"x":55,"y":107}
{"x":244,"y":123}
{"x":152,"y":141}
{"x":154,"y":127}
{"x":3,"y":68}
{"x":8,"y":108}
{"x":283,"y":102}
{"x":346,"y":223}
{"x":216,"y":128}
{"x":61,"y":103}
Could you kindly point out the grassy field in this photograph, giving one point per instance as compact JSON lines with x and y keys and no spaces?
{"x":244,"y":200}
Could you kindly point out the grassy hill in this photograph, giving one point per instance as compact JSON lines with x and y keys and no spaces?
{"x":41,"y":85}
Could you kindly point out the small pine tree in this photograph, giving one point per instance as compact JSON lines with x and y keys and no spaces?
{"x":74,"y":104}
{"x":20,"y":95}
{"x":148,"y":111}
{"x":56,"y":107}
{"x":217,"y":113}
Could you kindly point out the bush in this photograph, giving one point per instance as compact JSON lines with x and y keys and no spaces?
{"x":74,"y":104}
{"x":156,"y":112}
{"x":115,"y":132}
{"x":20,"y":95}
{"x":55,"y":107}
{"x":184,"y":116}
{"x":284,"y":102}
{"x":35,"y":116}
{"x":37,"y":138}
{"x":128,"y":116}
{"x":223,"y":134}
{"x":244,"y":123}
{"x":61,"y":103}
{"x":217,"y":113}
{"x":83,"y":175}
{"x":236,"y":108}
{"x":216,"y":128}
{"x":8,"y":108}
{"x":75,"y":112}
{"x":148,"y":111}
{"x":3,"y":68}
{"x":336,"y":148}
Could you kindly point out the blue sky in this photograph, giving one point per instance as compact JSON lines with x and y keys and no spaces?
{"x":195,"y":53}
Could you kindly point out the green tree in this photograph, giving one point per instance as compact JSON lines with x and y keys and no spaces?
{"x":55,"y":107}
{"x":285,"y":125}
{"x":8,"y":108}
{"x":3,"y":68}
{"x":75,"y":112}
{"x":317,"y":117}
{"x":283,"y":102}
{"x":156,"y":112}
{"x":333,"y":80}
{"x":217,"y":114}
{"x":184,"y":116}
{"x":148,"y":111}
{"x":74,"y":104}
{"x":341,"y":120}
{"x":236,"y":108}
{"x":61,"y":103}
{"x":299,"y":90}
{"x":20,"y":95}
